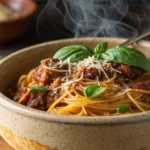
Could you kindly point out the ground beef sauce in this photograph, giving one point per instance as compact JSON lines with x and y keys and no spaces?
{"x":144,"y":85}
{"x":53,"y":79}
{"x":88,"y":73}
{"x":19,"y":94}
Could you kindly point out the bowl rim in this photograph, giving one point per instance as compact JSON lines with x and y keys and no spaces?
{"x":67,"y":119}
{"x":33,"y":9}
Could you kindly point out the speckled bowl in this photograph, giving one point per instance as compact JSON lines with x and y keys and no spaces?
{"x":29,"y":129}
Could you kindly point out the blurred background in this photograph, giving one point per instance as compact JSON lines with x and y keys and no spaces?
{"x":47,"y":20}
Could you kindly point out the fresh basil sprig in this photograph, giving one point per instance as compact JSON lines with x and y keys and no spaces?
{"x":123,"y":108}
{"x":123,"y":55}
{"x":118,"y":54}
{"x":73,"y":52}
{"x":1,"y":57}
{"x":37,"y":89}
{"x":93,"y":91}
{"x":100,"y":48}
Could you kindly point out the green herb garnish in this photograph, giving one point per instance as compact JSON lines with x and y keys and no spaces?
{"x":94,"y":91}
{"x":100,"y":48}
{"x":124,"y":55}
{"x":1,"y":57}
{"x":37,"y":89}
{"x":74,"y":53}
{"x":118,"y":54}
{"x":123,"y":108}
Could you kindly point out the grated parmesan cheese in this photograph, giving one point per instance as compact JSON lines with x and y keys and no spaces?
{"x":90,"y":62}
{"x":69,"y":82}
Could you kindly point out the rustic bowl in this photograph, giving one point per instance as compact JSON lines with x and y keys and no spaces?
{"x":29,"y":129}
{"x":15,"y":27}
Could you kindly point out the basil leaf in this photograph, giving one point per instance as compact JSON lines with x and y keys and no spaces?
{"x":37,"y":89}
{"x":1,"y":57}
{"x":94,"y":91}
{"x":125,"y":55}
{"x":74,"y":52}
{"x":100,"y":48}
{"x":123,"y":108}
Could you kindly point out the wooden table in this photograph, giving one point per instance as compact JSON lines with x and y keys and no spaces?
{"x":4,"y":145}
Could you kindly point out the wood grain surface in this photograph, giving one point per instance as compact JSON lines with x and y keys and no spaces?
{"x":4,"y":145}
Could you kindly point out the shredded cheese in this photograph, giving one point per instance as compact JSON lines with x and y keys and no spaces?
{"x":54,"y":69}
{"x":69,"y":82}
{"x":90,"y":62}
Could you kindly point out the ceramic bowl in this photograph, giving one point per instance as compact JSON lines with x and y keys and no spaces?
{"x":15,"y":27}
{"x":29,"y":129}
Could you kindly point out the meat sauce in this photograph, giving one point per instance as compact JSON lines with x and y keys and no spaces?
{"x":43,"y":101}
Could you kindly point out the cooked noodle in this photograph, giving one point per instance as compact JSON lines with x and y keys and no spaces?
{"x":68,"y":96}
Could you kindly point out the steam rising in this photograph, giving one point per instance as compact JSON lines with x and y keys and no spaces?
{"x":93,"y":18}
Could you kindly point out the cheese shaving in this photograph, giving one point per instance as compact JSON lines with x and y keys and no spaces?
{"x":90,"y":62}
{"x":54,"y":69}
{"x":69,"y":82}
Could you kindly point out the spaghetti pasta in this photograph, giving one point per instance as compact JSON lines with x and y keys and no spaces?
{"x":61,"y":86}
